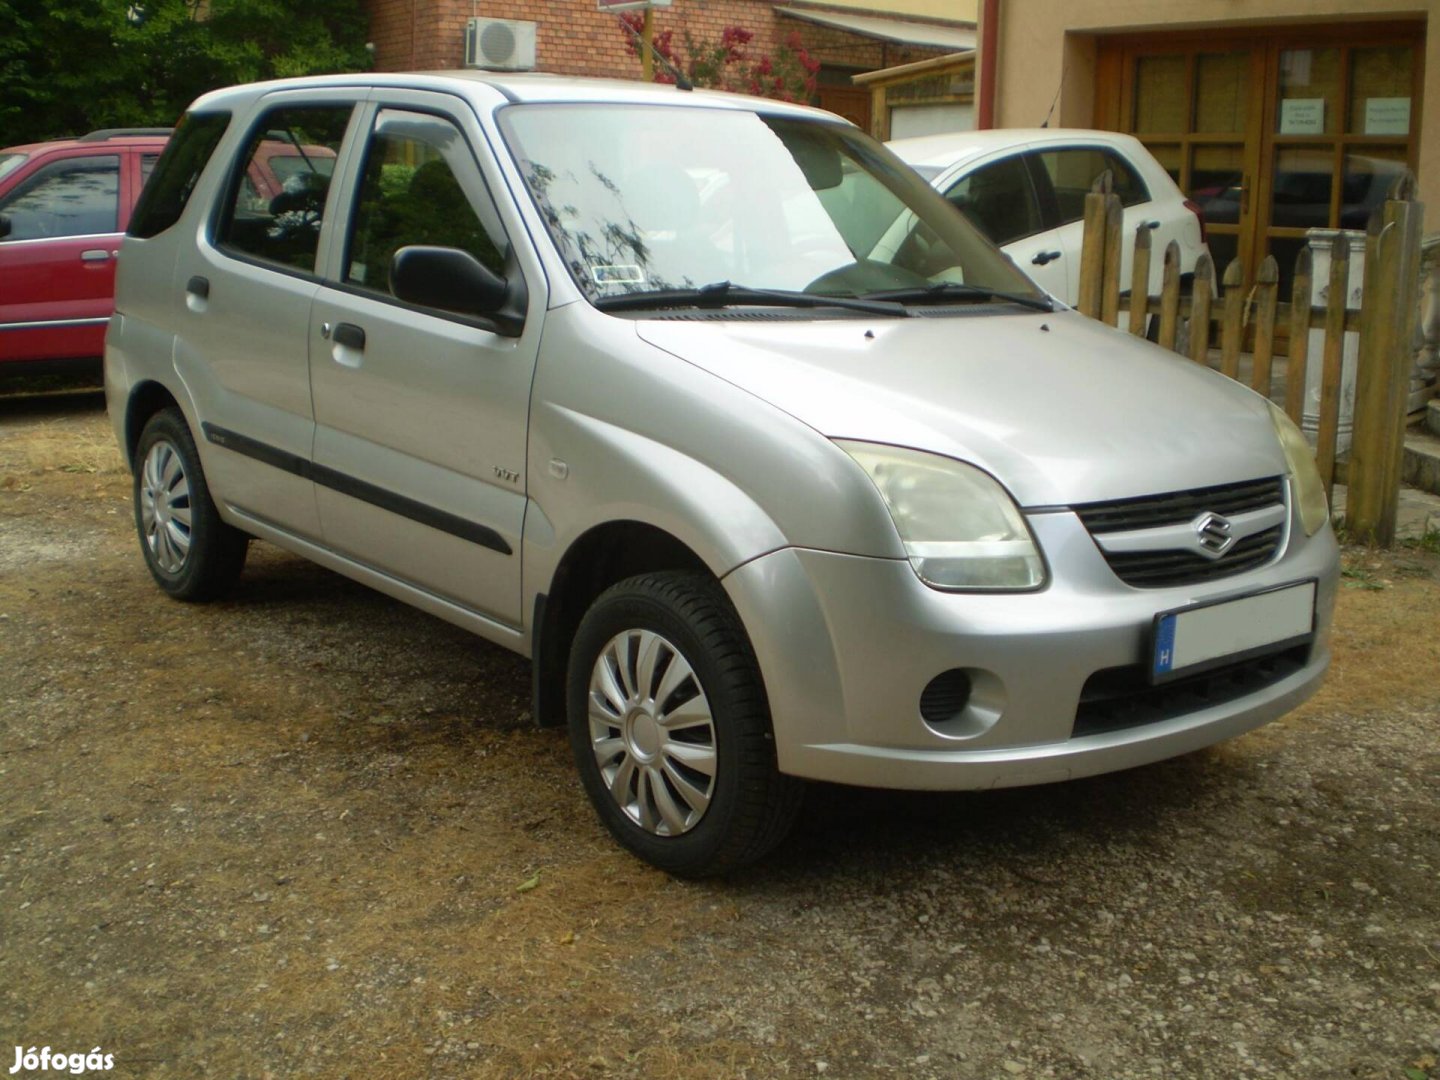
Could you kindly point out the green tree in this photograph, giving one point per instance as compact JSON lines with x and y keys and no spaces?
{"x":70,"y":66}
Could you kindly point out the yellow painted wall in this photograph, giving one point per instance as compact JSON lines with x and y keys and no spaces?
{"x":1035,"y":64}
{"x":963,"y":11}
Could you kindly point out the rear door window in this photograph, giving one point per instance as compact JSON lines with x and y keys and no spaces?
{"x":1072,"y":172}
{"x":78,"y":196}
{"x":276,"y":205}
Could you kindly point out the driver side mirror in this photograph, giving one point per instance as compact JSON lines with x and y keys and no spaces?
{"x":453,"y":280}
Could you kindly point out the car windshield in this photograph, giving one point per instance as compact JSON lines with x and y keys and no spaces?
{"x":728,"y":203}
{"x":9,"y":163}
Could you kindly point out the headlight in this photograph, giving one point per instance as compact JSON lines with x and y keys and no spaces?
{"x":960,"y":528}
{"x":1309,"y":491}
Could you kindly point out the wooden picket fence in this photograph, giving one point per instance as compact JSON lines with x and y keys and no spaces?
{"x":1385,"y":323}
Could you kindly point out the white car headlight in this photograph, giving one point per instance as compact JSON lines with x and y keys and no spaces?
{"x":1300,"y":459}
{"x":961,"y":529}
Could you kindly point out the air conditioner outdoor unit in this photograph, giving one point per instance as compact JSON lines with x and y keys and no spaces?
{"x":500,"y":44}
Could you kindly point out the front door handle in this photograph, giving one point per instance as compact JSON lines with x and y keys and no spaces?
{"x":349,"y":335}
{"x":1152,"y":224}
{"x":96,"y":255}
{"x":198,"y":287}
{"x":1046,"y":257}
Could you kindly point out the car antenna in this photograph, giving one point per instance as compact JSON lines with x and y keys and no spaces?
{"x":681,"y":82}
{"x":1056,"y":100}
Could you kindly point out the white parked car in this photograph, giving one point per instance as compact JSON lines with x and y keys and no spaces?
{"x":1025,"y":189}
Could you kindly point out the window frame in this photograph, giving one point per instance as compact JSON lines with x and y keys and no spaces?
{"x":362,"y":160}
{"x":354,"y":162}
{"x":1038,"y":195}
{"x":41,"y":165}
{"x":221,"y":214}
{"x":1050,"y":201}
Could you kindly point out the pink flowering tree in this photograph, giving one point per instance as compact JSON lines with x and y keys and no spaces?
{"x":729,"y":62}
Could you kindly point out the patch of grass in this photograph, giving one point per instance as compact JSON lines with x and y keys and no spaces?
{"x":62,"y":447}
{"x":1429,"y":542}
{"x":1363,"y":577}
{"x":1381,"y":657}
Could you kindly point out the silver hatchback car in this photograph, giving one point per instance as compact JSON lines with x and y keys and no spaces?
{"x":774,"y":467}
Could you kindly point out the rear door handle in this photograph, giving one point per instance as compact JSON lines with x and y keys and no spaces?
{"x":96,"y":255}
{"x":349,"y":335}
{"x":1046,"y":257}
{"x":1152,"y":224}
{"x":199,"y":287}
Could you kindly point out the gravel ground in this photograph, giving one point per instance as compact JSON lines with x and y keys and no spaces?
{"x":310,"y":832}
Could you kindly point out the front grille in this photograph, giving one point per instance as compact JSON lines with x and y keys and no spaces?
{"x":1152,"y":511}
{"x":1161,"y":569}
{"x":1119,"y":698}
{"x":1181,"y":566}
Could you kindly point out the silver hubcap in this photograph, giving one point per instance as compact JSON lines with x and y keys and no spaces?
{"x":165,"y":507}
{"x":652,"y":733}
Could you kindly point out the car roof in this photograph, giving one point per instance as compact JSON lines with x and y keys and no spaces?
{"x":106,"y":137}
{"x":950,"y":148}
{"x":516,"y":87}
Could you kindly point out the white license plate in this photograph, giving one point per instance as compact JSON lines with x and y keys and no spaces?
{"x":1192,"y":639}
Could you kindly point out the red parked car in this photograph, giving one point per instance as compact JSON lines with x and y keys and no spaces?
{"x":64,"y":206}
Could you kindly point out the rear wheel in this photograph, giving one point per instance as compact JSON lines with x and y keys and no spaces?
{"x":670,"y":727}
{"x":191,"y":553}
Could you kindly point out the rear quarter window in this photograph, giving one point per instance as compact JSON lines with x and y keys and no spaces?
{"x":177,"y":172}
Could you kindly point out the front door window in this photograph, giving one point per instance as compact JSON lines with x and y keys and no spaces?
{"x":74,"y":197}
{"x":420,"y":185}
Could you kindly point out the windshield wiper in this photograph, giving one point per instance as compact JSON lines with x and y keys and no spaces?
{"x":952,"y":290}
{"x":719,"y":294}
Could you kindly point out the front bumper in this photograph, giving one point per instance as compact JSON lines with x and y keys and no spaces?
{"x":847,"y":645}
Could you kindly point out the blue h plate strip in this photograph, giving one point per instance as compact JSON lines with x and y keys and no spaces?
{"x":1165,"y":645}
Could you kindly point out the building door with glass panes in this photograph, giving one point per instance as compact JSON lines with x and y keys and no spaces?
{"x":1271,"y":133}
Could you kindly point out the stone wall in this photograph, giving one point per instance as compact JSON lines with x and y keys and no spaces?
{"x":1423,"y":382}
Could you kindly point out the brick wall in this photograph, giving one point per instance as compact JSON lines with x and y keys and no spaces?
{"x":573,"y":38}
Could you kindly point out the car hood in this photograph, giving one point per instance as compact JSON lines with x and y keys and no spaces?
{"x":1059,"y":408}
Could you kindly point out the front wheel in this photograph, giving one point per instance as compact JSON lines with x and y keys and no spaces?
{"x":191,"y":553}
{"x":671,"y":730}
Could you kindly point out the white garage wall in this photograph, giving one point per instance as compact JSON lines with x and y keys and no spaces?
{"x":908,"y":120}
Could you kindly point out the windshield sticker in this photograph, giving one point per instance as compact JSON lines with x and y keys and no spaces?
{"x":622,"y":274}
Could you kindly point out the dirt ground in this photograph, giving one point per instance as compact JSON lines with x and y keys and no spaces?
{"x":310,"y":832}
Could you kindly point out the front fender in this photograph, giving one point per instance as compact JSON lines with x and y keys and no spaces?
{"x":621,"y":430}
{"x":602,"y":473}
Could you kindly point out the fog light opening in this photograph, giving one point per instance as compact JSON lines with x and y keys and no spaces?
{"x":962,"y":703}
{"x":946,"y":696}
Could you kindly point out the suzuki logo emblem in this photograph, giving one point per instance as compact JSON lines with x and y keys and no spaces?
{"x":1212,"y":533}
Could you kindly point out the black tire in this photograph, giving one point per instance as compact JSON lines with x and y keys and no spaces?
{"x":194,"y":560}
{"x":751,"y":805}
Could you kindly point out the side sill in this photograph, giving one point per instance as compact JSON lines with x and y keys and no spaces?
{"x":490,"y":629}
